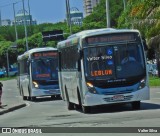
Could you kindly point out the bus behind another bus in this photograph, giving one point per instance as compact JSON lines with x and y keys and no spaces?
{"x":38,"y":73}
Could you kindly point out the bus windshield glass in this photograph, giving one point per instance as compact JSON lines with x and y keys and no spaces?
{"x":114,"y":62}
{"x":45,"y":67}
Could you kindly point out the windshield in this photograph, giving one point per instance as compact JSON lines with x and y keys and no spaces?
{"x":45,"y":68}
{"x":114,"y":62}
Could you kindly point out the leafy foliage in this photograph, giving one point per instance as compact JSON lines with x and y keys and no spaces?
{"x":98,"y":18}
{"x":140,"y":14}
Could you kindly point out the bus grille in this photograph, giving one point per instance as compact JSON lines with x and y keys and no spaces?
{"x":126,"y":98}
{"x":118,"y":92}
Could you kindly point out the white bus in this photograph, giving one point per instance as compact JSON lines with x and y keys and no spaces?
{"x":103,"y":66}
{"x":38,"y":73}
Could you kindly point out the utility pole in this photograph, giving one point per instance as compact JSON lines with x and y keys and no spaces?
{"x":25,"y":27}
{"x":29,"y":11}
{"x":0,"y":18}
{"x":7,"y":64}
{"x":68,"y":15}
{"x":15,"y":25}
{"x":124,"y":3}
{"x":107,"y":14}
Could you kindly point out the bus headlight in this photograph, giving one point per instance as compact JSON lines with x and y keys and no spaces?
{"x":142,"y":84}
{"x":35,"y":84}
{"x":91,"y":88}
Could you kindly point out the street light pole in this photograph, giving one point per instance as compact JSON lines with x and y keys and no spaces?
{"x":107,"y":14}
{"x":25,"y":27}
{"x":11,"y":47}
{"x":15,"y":25}
{"x":68,"y":15}
{"x":124,"y":3}
{"x":29,"y":11}
{"x":0,"y":18}
{"x":7,"y":64}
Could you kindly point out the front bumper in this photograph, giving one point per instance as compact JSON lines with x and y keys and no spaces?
{"x":44,"y":92}
{"x":99,"y":99}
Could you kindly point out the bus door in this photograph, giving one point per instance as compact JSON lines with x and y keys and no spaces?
{"x":24,"y":77}
{"x":60,"y":77}
{"x":76,"y":82}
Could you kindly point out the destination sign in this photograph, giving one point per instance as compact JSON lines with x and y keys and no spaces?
{"x":120,"y":37}
{"x":101,"y":72}
{"x":44,"y":54}
{"x":42,"y":75}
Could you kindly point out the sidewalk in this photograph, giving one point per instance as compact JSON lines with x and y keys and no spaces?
{"x":11,"y":99}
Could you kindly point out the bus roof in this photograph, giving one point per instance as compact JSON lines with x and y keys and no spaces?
{"x":93,"y":32}
{"x":27,"y":53}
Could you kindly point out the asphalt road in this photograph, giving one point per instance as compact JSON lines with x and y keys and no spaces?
{"x":49,"y":113}
{"x":53,"y":113}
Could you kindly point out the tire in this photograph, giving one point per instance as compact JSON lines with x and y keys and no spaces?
{"x":58,"y":97}
{"x":29,"y":98}
{"x":53,"y":97}
{"x":85,"y":109}
{"x":24,"y":97}
{"x":70,"y":106}
{"x":33,"y":98}
{"x":136,"y":105}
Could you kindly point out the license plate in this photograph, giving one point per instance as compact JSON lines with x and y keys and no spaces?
{"x":118,"y":97}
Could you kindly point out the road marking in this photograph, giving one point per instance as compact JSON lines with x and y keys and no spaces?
{"x":27,"y":104}
{"x":18,"y":96}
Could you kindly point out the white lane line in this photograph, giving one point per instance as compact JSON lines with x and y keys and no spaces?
{"x":27,"y":104}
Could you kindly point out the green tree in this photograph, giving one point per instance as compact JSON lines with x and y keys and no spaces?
{"x":4,"y":48}
{"x":141,"y":14}
{"x":98,"y":18}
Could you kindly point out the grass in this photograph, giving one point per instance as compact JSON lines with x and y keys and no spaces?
{"x":153,"y":81}
{"x":8,"y":78}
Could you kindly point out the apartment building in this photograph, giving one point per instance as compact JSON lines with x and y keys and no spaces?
{"x":89,"y":5}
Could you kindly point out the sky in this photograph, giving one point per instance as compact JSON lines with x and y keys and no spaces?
{"x":44,"y":11}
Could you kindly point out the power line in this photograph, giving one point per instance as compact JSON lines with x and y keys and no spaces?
{"x":9,"y":4}
{"x":4,"y":3}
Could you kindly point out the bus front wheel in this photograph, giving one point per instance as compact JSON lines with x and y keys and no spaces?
{"x":24,"y":97}
{"x":70,"y":105}
{"x":33,"y":98}
{"x":136,"y":105}
{"x":86,"y":109}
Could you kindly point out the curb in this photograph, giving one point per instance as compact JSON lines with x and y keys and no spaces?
{"x":12,"y":108}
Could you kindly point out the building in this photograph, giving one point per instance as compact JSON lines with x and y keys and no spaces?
{"x":6,"y":22}
{"x":76,"y":16}
{"x":19,"y":18}
{"x":89,"y":5}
